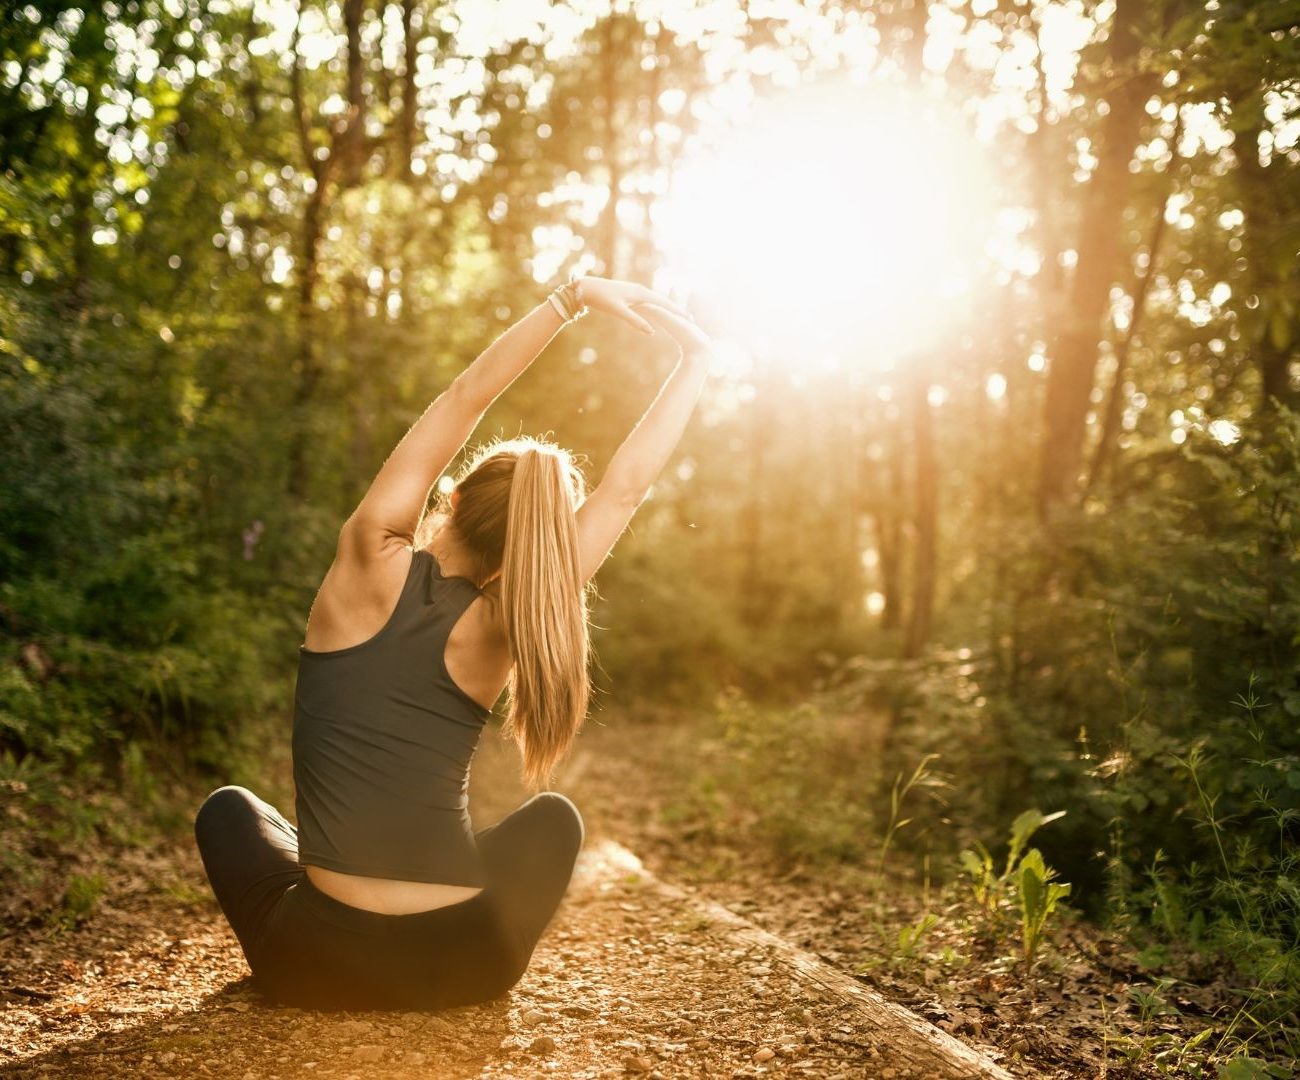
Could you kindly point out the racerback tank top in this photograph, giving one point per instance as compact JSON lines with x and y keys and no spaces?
{"x":382,"y":742}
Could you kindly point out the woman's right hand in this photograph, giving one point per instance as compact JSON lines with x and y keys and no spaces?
{"x":618,"y":298}
{"x":693,"y":342}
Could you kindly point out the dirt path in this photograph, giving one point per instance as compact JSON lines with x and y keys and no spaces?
{"x":632,"y":978}
{"x":621,"y":983}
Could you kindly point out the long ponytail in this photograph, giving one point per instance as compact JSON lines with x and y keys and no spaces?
{"x":544,"y":609}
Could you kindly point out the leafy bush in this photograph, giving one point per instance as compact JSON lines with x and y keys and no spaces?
{"x":1144,"y":673}
{"x":790,"y":779}
{"x":128,"y":622}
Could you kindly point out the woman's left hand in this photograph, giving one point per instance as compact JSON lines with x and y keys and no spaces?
{"x":692,"y":342}
{"x":617,"y":298}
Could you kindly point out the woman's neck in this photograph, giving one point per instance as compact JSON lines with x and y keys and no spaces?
{"x":452,"y":557}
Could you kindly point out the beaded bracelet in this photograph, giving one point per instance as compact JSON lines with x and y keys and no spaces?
{"x":566,"y":303}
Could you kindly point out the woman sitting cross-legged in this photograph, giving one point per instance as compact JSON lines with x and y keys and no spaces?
{"x":384,"y":896}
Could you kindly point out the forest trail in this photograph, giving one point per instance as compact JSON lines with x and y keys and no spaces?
{"x":635,"y":977}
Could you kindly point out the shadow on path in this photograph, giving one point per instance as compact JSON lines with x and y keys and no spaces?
{"x":231,"y":1033}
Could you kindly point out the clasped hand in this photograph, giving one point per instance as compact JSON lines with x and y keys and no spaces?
{"x":645,"y":309}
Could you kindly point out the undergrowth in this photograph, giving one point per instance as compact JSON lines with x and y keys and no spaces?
{"x":808,"y":786}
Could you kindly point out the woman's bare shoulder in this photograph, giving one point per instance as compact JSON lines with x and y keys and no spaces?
{"x":356,"y":598}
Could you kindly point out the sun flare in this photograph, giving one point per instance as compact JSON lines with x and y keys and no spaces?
{"x":838,"y":218}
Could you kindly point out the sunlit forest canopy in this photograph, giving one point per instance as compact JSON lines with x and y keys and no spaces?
{"x":1001,"y":443}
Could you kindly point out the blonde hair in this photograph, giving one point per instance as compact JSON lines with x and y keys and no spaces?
{"x":516,"y":512}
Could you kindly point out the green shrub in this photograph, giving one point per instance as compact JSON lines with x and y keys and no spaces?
{"x":793,"y":779}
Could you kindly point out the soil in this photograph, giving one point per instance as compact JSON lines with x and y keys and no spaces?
{"x":625,"y":982}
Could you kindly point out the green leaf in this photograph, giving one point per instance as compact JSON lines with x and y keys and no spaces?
{"x":1025,"y":825}
{"x":1247,"y":1068}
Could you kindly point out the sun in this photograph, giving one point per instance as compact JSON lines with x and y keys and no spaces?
{"x":836,"y":217}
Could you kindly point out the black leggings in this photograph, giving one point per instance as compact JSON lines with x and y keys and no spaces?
{"x":307,"y":949}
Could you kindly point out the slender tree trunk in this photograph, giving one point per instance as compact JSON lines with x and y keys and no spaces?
{"x":344,"y":158}
{"x":753,"y":602}
{"x":926,"y":518}
{"x":308,"y":362}
{"x":81,"y":193}
{"x":890,"y":543}
{"x":252,"y":85}
{"x":1114,"y":402}
{"x":859,"y":498}
{"x":889,"y":529}
{"x":406,"y":122}
{"x":610,"y":58}
{"x":1043,"y":152}
{"x":1265,"y":237}
{"x":645,"y":256}
{"x":857,"y":501}
{"x":1074,"y":361}
{"x":1276,"y":385}
{"x":913,"y":17}
{"x":350,"y":145}
{"x":362,"y":441}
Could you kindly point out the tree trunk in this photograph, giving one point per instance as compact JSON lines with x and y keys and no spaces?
{"x":1265,"y":240}
{"x":754,"y":604}
{"x":1043,"y":151}
{"x":889,"y":529}
{"x":608,"y":247}
{"x":646,"y":256}
{"x":1113,"y":411}
{"x":890,"y":541}
{"x":362,"y":443}
{"x":1276,"y":385}
{"x":308,"y":363}
{"x":406,"y":123}
{"x":1074,"y":361}
{"x":913,"y":19}
{"x":345,"y":146}
{"x":926,"y":516}
{"x":252,"y":85}
{"x":351,"y":144}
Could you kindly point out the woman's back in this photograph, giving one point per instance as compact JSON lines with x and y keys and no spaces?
{"x":384,"y":731}
{"x":356,"y":598}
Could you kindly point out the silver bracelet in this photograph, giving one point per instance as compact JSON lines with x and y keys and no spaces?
{"x":565,"y":301}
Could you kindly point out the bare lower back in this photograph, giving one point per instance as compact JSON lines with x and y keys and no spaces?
{"x":386,"y":896}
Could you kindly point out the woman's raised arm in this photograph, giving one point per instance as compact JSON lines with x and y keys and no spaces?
{"x":634,"y":467}
{"x":388,"y":514}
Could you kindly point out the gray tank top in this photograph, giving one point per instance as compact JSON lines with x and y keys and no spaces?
{"x":382,"y":741}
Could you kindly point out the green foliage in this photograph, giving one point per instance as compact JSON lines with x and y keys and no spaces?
{"x":1246,"y":1067}
{"x":1025,"y":880}
{"x":786,"y":779}
{"x":910,"y":937}
{"x":1038,"y":896}
{"x":984,"y":882}
{"x":80,"y":899}
{"x":921,"y":776}
{"x":989,"y":888}
{"x":1246,"y":904}
{"x":1145,"y":676}
{"x":1167,"y":1053}
{"x":1152,"y":1046}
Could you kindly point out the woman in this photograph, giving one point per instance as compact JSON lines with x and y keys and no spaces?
{"x":384,"y":896}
